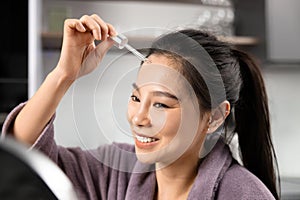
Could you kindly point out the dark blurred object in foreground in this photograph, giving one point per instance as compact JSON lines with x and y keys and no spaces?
{"x":30,"y":175}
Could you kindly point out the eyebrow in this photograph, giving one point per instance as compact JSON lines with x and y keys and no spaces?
{"x":158,"y":93}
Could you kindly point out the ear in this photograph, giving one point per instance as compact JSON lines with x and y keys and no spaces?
{"x":218,"y":116}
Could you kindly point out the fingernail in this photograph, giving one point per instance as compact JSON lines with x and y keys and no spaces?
{"x":82,"y":27}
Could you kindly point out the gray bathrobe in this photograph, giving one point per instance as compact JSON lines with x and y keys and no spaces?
{"x":112,"y":171}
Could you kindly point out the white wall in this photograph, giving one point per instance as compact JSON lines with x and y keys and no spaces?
{"x":284,"y":96}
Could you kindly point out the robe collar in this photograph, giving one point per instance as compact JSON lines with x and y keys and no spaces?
{"x":210,"y":173}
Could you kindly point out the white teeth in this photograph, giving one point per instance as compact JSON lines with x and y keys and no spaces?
{"x":144,"y":139}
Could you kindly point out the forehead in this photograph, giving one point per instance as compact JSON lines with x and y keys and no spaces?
{"x":161,"y":59}
{"x":161,"y":72}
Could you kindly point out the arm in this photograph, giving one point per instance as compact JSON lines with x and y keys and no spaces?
{"x":79,"y":56}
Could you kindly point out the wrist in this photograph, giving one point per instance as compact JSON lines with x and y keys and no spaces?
{"x":61,"y":78}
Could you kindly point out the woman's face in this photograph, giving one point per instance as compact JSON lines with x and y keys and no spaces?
{"x":163,"y":114}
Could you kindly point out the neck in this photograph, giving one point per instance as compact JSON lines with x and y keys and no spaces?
{"x":175,"y":180}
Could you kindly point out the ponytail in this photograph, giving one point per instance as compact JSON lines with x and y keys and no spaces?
{"x":253,"y":124}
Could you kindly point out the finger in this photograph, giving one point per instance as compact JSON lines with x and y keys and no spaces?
{"x":92,"y":25}
{"x":103,"y":25}
{"x":111,"y":30}
{"x":74,"y":24}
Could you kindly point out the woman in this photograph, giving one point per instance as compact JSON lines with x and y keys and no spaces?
{"x":169,"y":121}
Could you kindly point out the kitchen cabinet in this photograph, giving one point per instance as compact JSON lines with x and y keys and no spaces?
{"x":283,"y":30}
{"x":131,"y":15}
{"x":53,"y":41}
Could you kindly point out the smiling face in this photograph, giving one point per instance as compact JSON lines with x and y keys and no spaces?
{"x":163,"y":113}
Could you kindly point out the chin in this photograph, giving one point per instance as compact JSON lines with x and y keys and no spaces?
{"x":147,"y":157}
{"x":160,"y":157}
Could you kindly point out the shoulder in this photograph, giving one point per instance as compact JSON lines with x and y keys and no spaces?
{"x":239,"y":183}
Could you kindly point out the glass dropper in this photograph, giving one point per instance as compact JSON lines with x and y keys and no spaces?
{"x":121,"y":41}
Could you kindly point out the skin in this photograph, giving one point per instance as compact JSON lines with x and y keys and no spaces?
{"x":80,"y":56}
{"x":173,"y":178}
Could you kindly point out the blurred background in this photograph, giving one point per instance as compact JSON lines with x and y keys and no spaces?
{"x":268,"y":29}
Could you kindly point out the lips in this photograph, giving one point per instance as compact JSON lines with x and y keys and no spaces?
{"x":143,"y":141}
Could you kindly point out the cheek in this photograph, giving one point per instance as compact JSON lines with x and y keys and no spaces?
{"x":130,"y":112}
{"x":158,"y":119}
{"x":172,"y":123}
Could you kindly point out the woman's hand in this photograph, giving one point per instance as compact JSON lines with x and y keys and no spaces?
{"x":79,"y":55}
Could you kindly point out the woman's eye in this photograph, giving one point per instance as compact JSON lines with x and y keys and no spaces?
{"x":160,"y":105}
{"x":134,"y":98}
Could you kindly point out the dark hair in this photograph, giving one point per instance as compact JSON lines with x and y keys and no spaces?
{"x":245,"y":91}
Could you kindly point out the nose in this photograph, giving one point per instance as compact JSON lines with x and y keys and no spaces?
{"x":141,"y":118}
